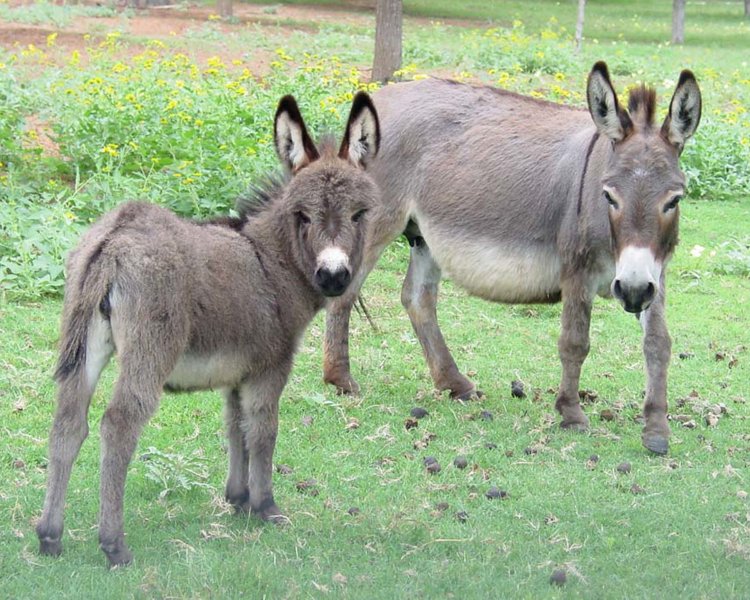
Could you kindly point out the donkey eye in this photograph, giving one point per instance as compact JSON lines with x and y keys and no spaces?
{"x":672,"y":204}
{"x":302,"y":218}
{"x":612,"y":202}
{"x":357,"y":216}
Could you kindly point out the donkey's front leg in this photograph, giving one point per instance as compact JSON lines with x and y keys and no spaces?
{"x":260,"y":411}
{"x":236,"y":492}
{"x":573,"y":347}
{"x":419,"y":297}
{"x":336,"y":368}
{"x":657,"y":348}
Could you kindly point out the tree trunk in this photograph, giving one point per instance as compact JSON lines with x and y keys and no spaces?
{"x":225,"y":8}
{"x":678,"y":21}
{"x":579,"y":24}
{"x":388,"y":22}
{"x":747,"y":8}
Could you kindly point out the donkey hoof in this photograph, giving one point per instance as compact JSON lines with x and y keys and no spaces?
{"x":120,"y":557}
{"x":344,"y":387}
{"x":658,"y":444}
{"x":271,"y":514}
{"x":50,"y":547}
{"x":470,"y":394}
{"x":579,"y":426}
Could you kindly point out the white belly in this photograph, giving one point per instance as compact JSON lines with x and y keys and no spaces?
{"x":195,"y":372}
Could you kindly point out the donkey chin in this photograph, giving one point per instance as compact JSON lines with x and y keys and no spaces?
{"x":333,"y":272}
{"x":637,"y":276}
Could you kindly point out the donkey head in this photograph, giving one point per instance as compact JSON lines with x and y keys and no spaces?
{"x":642,"y":182}
{"x":330,"y":194}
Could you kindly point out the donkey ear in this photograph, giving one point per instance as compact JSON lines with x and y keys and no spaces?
{"x":611,"y":120}
{"x":362,"y":137}
{"x":684,"y":111}
{"x":293,"y":144}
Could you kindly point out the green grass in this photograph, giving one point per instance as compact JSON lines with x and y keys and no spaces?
{"x":687,"y":534}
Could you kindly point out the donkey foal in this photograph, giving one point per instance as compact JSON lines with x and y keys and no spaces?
{"x":195,"y":305}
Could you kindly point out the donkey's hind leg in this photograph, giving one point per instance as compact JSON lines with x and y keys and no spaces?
{"x":135,"y":399}
{"x":260,"y":411}
{"x":236,"y":492}
{"x":69,"y":429}
{"x":419,"y":297}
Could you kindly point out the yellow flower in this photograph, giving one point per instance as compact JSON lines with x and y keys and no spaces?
{"x":51,"y":39}
{"x":110,"y":149}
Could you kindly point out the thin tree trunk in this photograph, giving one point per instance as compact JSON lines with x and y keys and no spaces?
{"x":678,"y":21}
{"x":579,"y":24}
{"x":225,"y":8}
{"x":388,"y":24}
{"x":747,"y":8}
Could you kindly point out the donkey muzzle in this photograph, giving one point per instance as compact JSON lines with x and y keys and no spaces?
{"x":636,"y":279}
{"x":333,"y":274}
{"x":332,"y":283}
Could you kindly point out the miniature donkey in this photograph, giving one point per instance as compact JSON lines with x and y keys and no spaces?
{"x":520,"y":200}
{"x":193,"y":305}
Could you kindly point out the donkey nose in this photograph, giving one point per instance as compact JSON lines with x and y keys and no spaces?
{"x":634,"y":298}
{"x":332,"y":282}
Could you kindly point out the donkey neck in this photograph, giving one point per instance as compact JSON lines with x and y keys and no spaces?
{"x":296,"y":299}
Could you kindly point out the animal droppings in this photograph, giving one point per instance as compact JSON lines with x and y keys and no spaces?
{"x":429,"y":460}
{"x":529,"y":451}
{"x":410,"y":424}
{"x":353,"y":511}
{"x":607,"y":415}
{"x":462,"y":516}
{"x":624,"y":468}
{"x":495,"y":492}
{"x":486,"y":415}
{"x":308,"y":486}
{"x":636,"y":489}
{"x":418,"y":412}
{"x":284,"y":469}
{"x":460,"y":462}
{"x":558,"y":577}
{"x":433,"y":468}
{"x":516,"y":389}
{"x":685,"y":355}
{"x":490,"y":446}
{"x":442,"y":506}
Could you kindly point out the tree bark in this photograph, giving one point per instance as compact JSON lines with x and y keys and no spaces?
{"x":388,"y":26}
{"x":747,"y":8}
{"x":678,"y":21}
{"x":579,"y":24}
{"x":225,"y":8}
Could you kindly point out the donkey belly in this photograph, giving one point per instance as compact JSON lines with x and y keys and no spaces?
{"x":201,"y":372}
{"x":499,"y":272}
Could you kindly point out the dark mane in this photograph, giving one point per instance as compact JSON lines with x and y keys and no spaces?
{"x":642,"y":105}
{"x":261,"y":195}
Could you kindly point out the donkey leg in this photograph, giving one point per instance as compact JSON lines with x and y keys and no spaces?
{"x":573,"y":347}
{"x":236,"y":491}
{"x":419,"y":298}
{"x":134,"y":401}
{"x":260,"y":410}
{"x":336,"y":366}
{"x":69,"y":429}
{"x":657,"y":349}
{"x":388,"y":225}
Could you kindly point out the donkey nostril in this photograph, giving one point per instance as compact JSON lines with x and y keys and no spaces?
{"x":617,"y":289}
{"x":650,"y":289}
{"x":332,"y":283}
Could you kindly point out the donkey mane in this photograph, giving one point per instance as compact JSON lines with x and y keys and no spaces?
{"x":642,"y":105}
{"x":261,"y":195}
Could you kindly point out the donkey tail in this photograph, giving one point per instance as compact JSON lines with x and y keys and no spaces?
{"x":87,"y":290}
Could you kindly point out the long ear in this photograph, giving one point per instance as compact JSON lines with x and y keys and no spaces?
{"x":611,"y":120}
{"x":362,"y":137}
{"x":293,"y":144}
{"x":684,"y":111}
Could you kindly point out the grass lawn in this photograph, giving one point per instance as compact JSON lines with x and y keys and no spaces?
{"x":375,"y":523}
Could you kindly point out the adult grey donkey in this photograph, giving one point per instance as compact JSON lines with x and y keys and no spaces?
{"x":519,"y":200}
{"x":191,"y":305}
